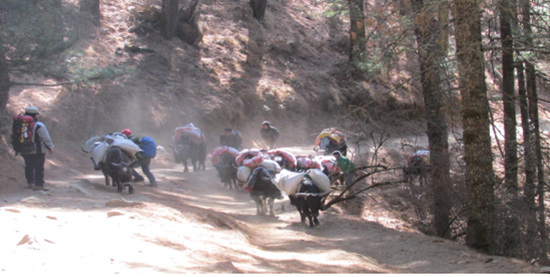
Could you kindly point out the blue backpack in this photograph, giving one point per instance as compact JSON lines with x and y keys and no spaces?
{"x":149,"y":147}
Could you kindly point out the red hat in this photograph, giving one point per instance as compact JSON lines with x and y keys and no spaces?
{"x":127,"y":132}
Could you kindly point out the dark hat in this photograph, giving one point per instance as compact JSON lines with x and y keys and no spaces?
{"x":337,"y":152}
{"x":32,"y":110}
{"x":228,"y":129}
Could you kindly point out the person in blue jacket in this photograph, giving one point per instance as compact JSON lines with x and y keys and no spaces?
{"x":149,"y":147}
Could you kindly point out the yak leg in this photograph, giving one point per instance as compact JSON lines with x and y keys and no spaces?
{"x":314,"y":204}
{"x":185,"y":168}
{"x":106,"y":174}
{"x":259,"y":204}
{"x":194,"y":163}
{"x":270,"y":202}
{"x":130,"y":189}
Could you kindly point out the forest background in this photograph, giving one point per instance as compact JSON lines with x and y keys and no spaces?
{"x":468,"y":75}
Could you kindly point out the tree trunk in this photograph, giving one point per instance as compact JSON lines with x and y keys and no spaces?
{"x":188,"y":28}
{"x":357,"y":37}
{"x":91,"y":7}
{"x":532,"y":96}
{"x":508,"y":78}
{"x":511,"y":232}
{"x":169,"y":18}
{"x":528,"y":208}
{"x":4,"y":81}
{"x":479,"y":175}
{"x":430,"y":56}
{"x":258,"y":8}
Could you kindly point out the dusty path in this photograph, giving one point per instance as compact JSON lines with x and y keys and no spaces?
{"x":191,"y":224}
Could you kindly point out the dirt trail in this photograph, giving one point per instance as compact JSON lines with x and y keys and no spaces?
{"x":191,"y":224}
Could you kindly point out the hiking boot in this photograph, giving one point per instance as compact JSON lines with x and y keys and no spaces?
{"x":30,"y":185}
{"x":138,"y":179}
{"x":41,"y":188}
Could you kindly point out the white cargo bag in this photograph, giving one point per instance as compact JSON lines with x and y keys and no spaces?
{"x":98,"y":152}
{"x":320,"y":179}
{"x":271,"y":165}
{"x":127,"y":145}
{"x":289,"y":181}
{"x":243,"y":173}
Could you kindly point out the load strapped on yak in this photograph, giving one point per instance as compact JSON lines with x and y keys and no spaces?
{"x":250,"y":159}
{"x":284,"y":158}
{"x":290,"y":182}
{"x":331,"y":139}
{"x":98,"y":146}
{"x":420,"y":157}
{"x":190,"y":131}
{"x":221,"y":150}
{"x":305,"y":162}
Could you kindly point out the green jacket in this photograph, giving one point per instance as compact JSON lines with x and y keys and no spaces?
{"x":345,"y":164}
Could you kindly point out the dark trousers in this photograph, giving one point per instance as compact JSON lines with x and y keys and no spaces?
{"x":34,"y":168}
{"x":145,"y":162}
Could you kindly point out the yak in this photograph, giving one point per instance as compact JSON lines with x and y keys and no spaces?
{"x":189,"y":149}
{"x":418,"y":165}
{"x":227,"y":170}
{"x":118,"y":167}
{"x":263,"y":191}
{"x":308,"y":201}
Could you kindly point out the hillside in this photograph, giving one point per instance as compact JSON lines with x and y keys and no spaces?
{"x":282,"y":69}
{"x":288,"y":69}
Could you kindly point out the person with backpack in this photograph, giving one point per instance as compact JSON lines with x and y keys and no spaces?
{"x":31,"y":139}
{"x":149,"y":147}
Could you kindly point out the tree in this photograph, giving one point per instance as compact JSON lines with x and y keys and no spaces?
{"x":169,"y":18}
{"x":533,"y":190}
{"x":91,"y":7}
{"x":511,"y":235}
{"x":357,"y":36}
{"x":258,"y":8}
{"x":430,"y":55}
{"x":4,"y":80}
{"x":479,"y":175}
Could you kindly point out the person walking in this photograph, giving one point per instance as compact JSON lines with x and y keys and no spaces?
{"x":35,"y":159}
{"x":270,"y":134}
{"x":149,"y":147}
{"x":231,"y":138}
{"x":346,"y":165}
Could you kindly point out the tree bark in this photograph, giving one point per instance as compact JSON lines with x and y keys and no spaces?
{"x":357,"y":37}
{"x":479,"y":175}
{"x":512,"y":228}
{"x":510,"y":124}
{"x":91,"y":7}
{"x":528,"y":207}
{"x":430,"y":56}
{"x":258,"y":8}
{"x":532,"y":95}
{"x":4,"y":81}
{"x":169,"y":18}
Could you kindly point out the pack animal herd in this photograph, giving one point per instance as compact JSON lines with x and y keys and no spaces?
{"x":265,"y":174}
